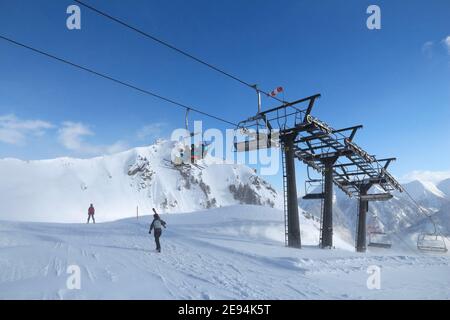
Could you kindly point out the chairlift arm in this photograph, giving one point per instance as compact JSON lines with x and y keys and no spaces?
{"x":314,"y":97}
{"x":387,"y":161}
{"x":354,"y":129}
{"x":310,"y":106}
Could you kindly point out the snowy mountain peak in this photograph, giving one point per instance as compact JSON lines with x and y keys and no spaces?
{"x":422,"y":189}
{"x":60,"y":190}
{"x":444,"y":187}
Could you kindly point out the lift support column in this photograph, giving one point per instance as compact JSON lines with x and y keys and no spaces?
{"x":362,"y":216}
{"x":327,"y":215}
{"x":291,"y":189}
{"x":364,"y":199}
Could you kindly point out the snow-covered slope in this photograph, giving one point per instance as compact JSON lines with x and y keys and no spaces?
{"x":61,"y":190}
{"x":442,"y":219}
{"x":227,"y":253}
{"x":427,"y":194}
{"x":444,"y":187}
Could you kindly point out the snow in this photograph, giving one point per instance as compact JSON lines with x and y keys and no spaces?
{"x":235,"y":252}
{"x":420,"y":189}
{"x":60,"y":190}
{"x":429,"y":176}
{"x":230,"y":251}
{"x":444,"y":186}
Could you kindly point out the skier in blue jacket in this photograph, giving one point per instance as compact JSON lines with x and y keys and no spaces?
{"x":157,"y":223}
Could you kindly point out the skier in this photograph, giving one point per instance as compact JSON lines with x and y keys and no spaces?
{"x":91,"y":212}
{"x":157,"y":223}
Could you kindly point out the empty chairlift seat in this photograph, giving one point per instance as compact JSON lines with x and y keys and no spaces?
{"x":379,"y":240}
{"x":256,"y":141}
{"x":431,"y":242}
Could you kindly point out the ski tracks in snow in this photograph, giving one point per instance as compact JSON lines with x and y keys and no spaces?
{"x":117,"y":260}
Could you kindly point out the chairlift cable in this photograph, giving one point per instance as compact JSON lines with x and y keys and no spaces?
{"x":123,"y":83}
{"x":436,"y":231}
{"x":172,"y":47}
{"x":421,"y":211}
{"x":397,"y":235}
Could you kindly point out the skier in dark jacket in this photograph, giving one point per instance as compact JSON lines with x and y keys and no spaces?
{"x":157,"y":223}
{"x":91,"y":212}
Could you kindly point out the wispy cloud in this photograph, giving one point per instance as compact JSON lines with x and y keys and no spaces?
{"x":72,"y":135}
{"x":151,"y":131}
{"x":14,"y":130}
{"x":446,"y":43}
{"x":427,"y":49}
{"x":426,"y":176}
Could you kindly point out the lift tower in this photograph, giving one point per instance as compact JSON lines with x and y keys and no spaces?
{"x":320,"y":147}
{"x":293,"y":224}
{"x":358,"y":180}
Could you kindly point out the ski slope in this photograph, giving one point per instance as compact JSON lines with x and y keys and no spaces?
{"x":235,"y":252}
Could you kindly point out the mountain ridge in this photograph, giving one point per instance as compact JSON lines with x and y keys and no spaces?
{"x":61,"y":189}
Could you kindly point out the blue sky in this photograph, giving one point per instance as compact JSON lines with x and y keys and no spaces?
{"x":395,"y":81}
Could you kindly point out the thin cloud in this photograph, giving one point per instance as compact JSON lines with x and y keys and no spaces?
{"x":72,"y":135}
{"x":446,"y":43}
{"x":427,"y":49}
{"x":14,"y":130}
{"x":426,"y":176}
{"x":151,"y":131}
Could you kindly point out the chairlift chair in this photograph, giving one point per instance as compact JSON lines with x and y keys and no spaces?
{"x":379,"y":239}
{"x":311,"y":187}
{"x":257,"y":140}
{"x":262,"y":137}
{"x":431,"y":242}
{"x":190,"y":153}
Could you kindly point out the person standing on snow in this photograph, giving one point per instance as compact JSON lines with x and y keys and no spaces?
{"x":157,"y":223}
{"x":91,"y":212}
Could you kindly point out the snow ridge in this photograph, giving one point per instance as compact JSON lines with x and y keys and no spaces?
{"x":60,"y":190}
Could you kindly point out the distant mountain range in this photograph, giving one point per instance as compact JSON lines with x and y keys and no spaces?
{"x":399,"y":214}
{"x":60,"y":190}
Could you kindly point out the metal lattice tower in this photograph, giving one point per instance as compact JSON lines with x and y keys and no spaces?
{"x":330,"y":152}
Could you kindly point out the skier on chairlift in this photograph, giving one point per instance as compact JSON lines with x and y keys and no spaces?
{"x":193,"y":150}
{"x":157,"y":224}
